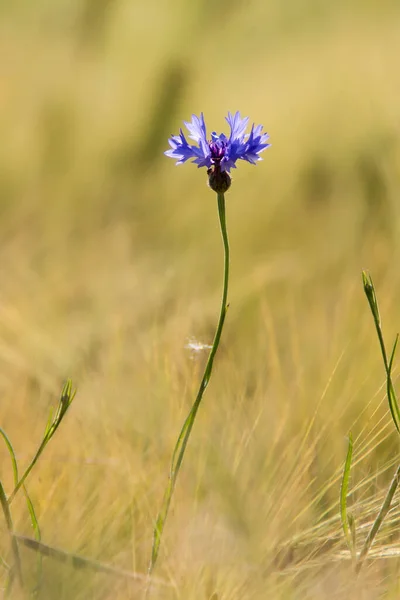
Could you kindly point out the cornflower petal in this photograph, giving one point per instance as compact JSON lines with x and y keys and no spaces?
{"x":237,"y":124}
{"x":197,"y":129}
{"x":180,"y":149}
{"x":256,"y":143}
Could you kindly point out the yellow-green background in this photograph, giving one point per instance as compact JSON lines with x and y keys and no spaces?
{"x":111,"y":260}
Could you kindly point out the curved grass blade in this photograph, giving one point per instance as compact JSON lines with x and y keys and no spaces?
{"x":391,"y":392}
{"x":81,"y":562}
{"x":12,"y":454}
{"x":352,"y":525}
{"x":38,"y":537}
{"x":347,"y":520}
{"x":393,"y":353}
{"x":9,"y":582}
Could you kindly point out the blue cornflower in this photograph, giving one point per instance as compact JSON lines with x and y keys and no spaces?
{"x":220,"y":152}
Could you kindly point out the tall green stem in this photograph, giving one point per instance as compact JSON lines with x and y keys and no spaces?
{"x":180,"y":446}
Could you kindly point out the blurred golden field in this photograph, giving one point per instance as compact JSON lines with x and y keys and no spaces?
{"x":111,"y":260}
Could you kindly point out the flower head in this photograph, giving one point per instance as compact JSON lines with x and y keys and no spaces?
{"x":219,"y":153}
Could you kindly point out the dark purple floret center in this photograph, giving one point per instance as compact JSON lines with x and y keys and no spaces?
{"x":217,"y":149}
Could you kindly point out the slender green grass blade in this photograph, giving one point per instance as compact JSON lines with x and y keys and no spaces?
{"x":393,"y":353}
{"x":393,"y":405}
{"x":352,"y":525}
{"x":12,"y":454}
{"x":35,"y":523}
{"x":9,"y":582}
{"x":38,"y":537}
{"x":81,"y":562}
{"x":49,"y":422}
{"x":391,"y":392}
{"x":344,"y":489}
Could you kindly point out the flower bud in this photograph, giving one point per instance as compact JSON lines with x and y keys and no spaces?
{"x":218,"y":180}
